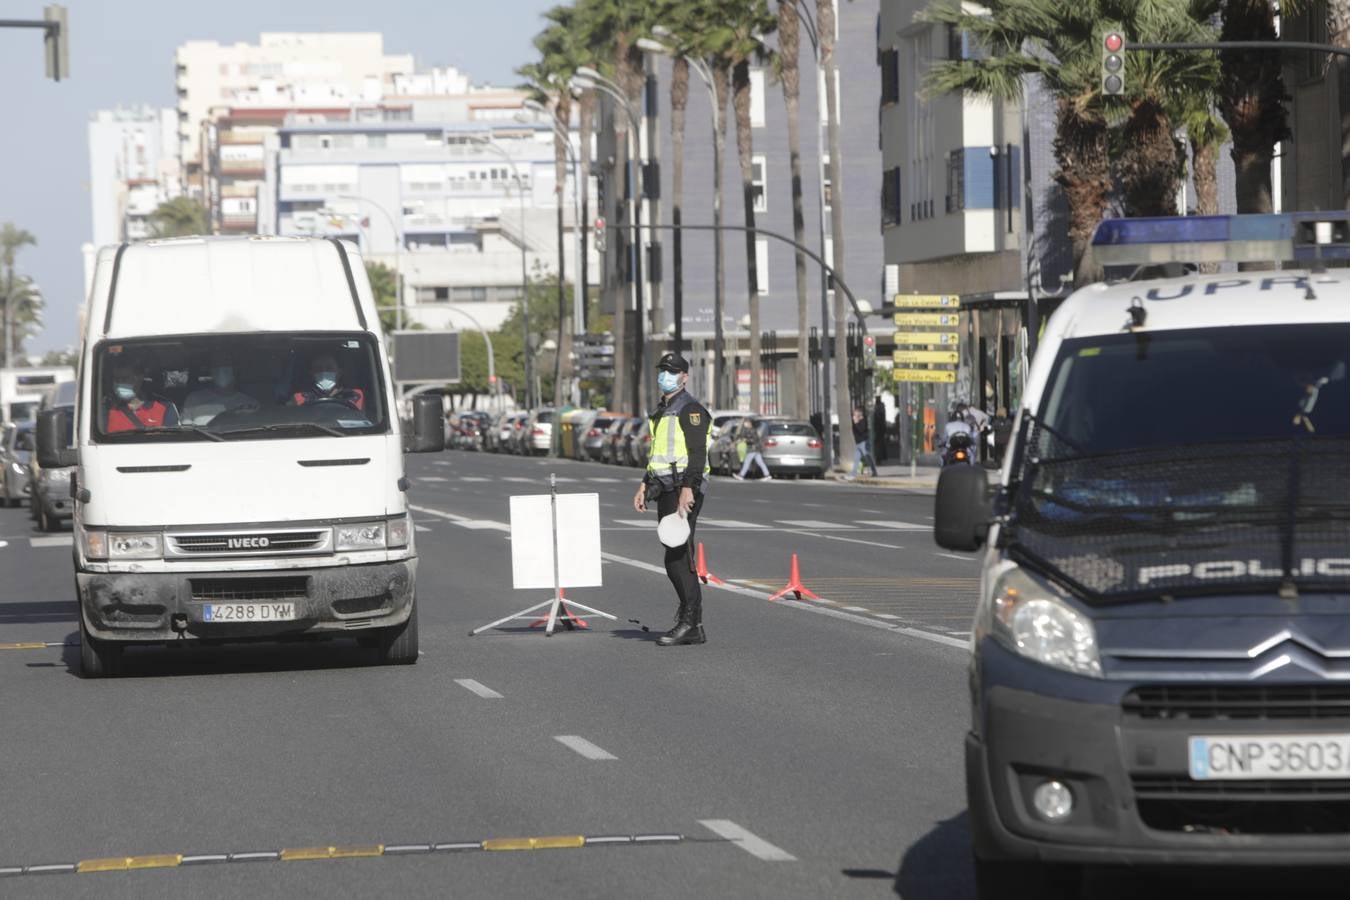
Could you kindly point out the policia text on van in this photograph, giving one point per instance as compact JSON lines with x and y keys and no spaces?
{"x":239,"y":474}
{"x":1160,"y":666}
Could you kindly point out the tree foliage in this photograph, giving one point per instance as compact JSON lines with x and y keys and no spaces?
{"x":20,"y":300}
{"x":178,"y":217}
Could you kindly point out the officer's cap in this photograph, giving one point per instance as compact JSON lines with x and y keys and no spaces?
{"x":673,"y":362}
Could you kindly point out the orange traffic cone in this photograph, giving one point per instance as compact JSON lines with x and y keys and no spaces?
{"x":702,"y":569}
{"x":794,"y":585}
{"x":566,"y":617}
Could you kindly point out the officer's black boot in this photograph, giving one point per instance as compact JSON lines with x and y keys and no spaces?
{"x":689,"y":629}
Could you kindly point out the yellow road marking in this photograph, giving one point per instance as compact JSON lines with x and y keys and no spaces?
{"x":125,"y":863}
{"x":559,"y":842}
{"x":298,"y":853}
{"x":27,"y":645}
{"x":160,"y":861}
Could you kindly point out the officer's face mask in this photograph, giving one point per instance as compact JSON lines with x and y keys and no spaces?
{"x":223,"y":376}
{"x":668,"y":382}
{"x":325,"y":381}
{"x":124,"y":391}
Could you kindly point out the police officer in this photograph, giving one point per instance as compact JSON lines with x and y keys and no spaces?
{"x":675,"y":480}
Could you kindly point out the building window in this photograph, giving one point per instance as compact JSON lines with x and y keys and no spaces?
{"x":920,"y":136}
{"x":761,"y":267}
{"x":757,"y":176}
{"x":757,"y":98}
{"x":890,"y":76}
{"x":433,"y":294}
{"x":468,"y":294}
{"x":890,"y":197}
{"x":956,"y":181}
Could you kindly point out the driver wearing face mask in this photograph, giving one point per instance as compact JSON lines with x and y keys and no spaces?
{"x":204,"y":405}
{"x":129,"y":407}
{"x":325,"y":386}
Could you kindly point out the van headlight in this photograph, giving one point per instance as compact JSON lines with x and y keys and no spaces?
{"x":134,"y":545}
{"x":398,"y":531}
{"x":360,"y":536}
{"x":1031,"y":617}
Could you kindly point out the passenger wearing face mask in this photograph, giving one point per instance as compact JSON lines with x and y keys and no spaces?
{"x":325,"y":386}
{"x":129,"y":408}
{"x":675,"y":479}
{"x":204,"y":405}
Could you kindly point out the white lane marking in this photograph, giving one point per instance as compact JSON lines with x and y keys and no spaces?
{"x":954,"y":556}
{"x":638,"y":523}
{"x":729,"y":523}
{"x":748,"y":841}
{"x":605,"y":480}
{"x":811,"y":523}
{"x":563,"y":479}
{"x":520,"y":479}
{"x":900,"y":526}
{"x":873,"y":623}
{"x":4,"y":543}
{"x":434,"y":479}
{"x":472,"y":478}
{"x":856,"y":608}
{"x":835,"y":537}
{"x":421,"y":528}
{"x":56,"y":540}
{"x":483,"y":525}
{"x":440,"y":462}
{"x":478,"y":688}
{"x":439,"y":513}
{"x":583,"y":746}
{"x":954,"y":633}
{"x":885,"y":615}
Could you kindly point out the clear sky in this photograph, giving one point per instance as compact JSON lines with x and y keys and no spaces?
{"x":122,"y":53}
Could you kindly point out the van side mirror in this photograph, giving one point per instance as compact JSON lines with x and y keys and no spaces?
{"x":428,"y":424}
{"x":52,"y":427}
{"x":962,"y":508}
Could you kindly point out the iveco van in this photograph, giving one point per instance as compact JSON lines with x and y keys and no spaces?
{"x":1160,"y":668}
{"x":238,"y":464}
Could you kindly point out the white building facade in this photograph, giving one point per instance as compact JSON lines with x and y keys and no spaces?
{"x":133,"y":167}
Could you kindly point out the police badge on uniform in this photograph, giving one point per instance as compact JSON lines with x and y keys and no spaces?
{"x":695,"y":418}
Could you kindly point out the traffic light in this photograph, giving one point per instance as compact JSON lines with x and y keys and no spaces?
{"x":869,"y":351}
{"x":56,"y":42}
{"x":1113,"y":64}
{"x":600,"y":234}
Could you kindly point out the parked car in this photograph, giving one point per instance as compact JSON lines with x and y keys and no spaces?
{"x":514,"y":438}
{"x":16,"y":450}
{"x":593,"y":441}
{"x":722,"y":456}
{"x":640,"y":444}
{"x":791,"y":447}
{"x":50,"y":503}
{"x":625,"y":455}
{"x":464,"y":430}
{"x":537,"y":439}
{"x":719,"y":418}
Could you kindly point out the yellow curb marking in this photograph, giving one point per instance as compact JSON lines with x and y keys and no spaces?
{"x":298,"y":853}
{"x":126,"y":863}
{"x":30,"y":645}
{"x":560,"y":842}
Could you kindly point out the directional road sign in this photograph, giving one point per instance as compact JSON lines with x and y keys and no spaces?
{"x":927,"y":338}
{"x":942,"y":320}
{"x":925,"y":356}
{"x":935,"y":376}
{"x":927,"y":301}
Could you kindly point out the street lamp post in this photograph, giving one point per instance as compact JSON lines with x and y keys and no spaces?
{"x":398,"y":253}
{"x":719,"y":338}
{"x":524,"y":273}
{"x":588,"y":78}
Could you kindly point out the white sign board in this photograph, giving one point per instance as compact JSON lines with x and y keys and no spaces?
{"x":578,"y":541}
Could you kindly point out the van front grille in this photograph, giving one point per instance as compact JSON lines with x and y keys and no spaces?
{"x":249,"y":590}
{"x":250,"y":543}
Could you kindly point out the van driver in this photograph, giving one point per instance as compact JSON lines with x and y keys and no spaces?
{"x":325,"y":384}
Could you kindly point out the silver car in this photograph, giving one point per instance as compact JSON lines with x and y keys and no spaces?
{"x":16,"y":450}
{"x":791,"y":447}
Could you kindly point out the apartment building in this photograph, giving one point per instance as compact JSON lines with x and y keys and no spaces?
{"x":133,"y":167}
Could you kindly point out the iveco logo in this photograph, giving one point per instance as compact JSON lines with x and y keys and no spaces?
{"x":248,"y":543}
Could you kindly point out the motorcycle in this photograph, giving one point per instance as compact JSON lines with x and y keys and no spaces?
{"x":960,"y":451}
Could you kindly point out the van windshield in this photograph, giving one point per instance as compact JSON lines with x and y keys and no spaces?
{"x":237,"y":387}
{"x":1195,"y":460}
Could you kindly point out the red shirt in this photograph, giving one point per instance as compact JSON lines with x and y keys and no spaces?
{"x":152,"y":414}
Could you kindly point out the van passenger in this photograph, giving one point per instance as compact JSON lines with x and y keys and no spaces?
{"x":204,"y":405}
{"x":129,"y":409}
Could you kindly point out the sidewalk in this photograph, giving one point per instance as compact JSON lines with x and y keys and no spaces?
{"x":894,"y":475}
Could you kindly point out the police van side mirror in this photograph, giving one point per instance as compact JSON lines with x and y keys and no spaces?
{"x":52,"y":427}
{"x":962,"y":508}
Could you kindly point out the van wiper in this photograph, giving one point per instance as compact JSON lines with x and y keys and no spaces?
{"x":175,"y":430}
{"x":285,"y":426}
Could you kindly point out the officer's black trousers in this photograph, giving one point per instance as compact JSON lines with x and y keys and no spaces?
{"x":680,"y":560}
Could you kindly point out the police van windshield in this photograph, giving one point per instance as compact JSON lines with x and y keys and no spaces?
{"x":1202,"y":386}
{"x":237,"y":387}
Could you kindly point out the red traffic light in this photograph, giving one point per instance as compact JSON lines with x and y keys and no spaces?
{"x":1114,"y":42}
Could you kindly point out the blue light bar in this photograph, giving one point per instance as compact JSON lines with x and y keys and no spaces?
{"x":1301,"y":236}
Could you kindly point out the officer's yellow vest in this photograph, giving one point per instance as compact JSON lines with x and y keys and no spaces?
{"x":669,"y":448}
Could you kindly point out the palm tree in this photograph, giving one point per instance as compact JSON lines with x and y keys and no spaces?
{"x":789,"y":76}
{"x":12,"y":240}
{"x":178,"y":217}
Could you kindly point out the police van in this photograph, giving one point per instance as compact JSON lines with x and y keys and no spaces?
{"x":1160,"y":660}
{"x":238,"y":472}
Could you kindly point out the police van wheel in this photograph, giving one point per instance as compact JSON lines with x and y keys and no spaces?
{"x":398,"y":645}
{"x":999,"y":880}
{"x":98,"y":659}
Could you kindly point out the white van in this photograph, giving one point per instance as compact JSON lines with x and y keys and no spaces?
{"x":239,"y":471}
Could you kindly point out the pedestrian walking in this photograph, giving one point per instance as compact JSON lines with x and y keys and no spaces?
{"x":1002,"y":425}
{"x":675,"y":480}
{"x":862,"y":447}
{"x":748,"y":432}
{"x":879,"y":429}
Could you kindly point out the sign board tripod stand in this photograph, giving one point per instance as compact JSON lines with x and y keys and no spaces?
{"x":540,"y":559}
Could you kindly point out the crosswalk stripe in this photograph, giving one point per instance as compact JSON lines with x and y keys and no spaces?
{"x":729,"y":523}
{"x":435,"y":478}
{"x":812,"y":523}
{"x":483,"y":524}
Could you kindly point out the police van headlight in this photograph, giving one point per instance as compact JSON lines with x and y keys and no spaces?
{"x":360,"y":536}
{"x":134,"y":545}
{"x":1031,"y":617}
{"x":398,"y":532}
